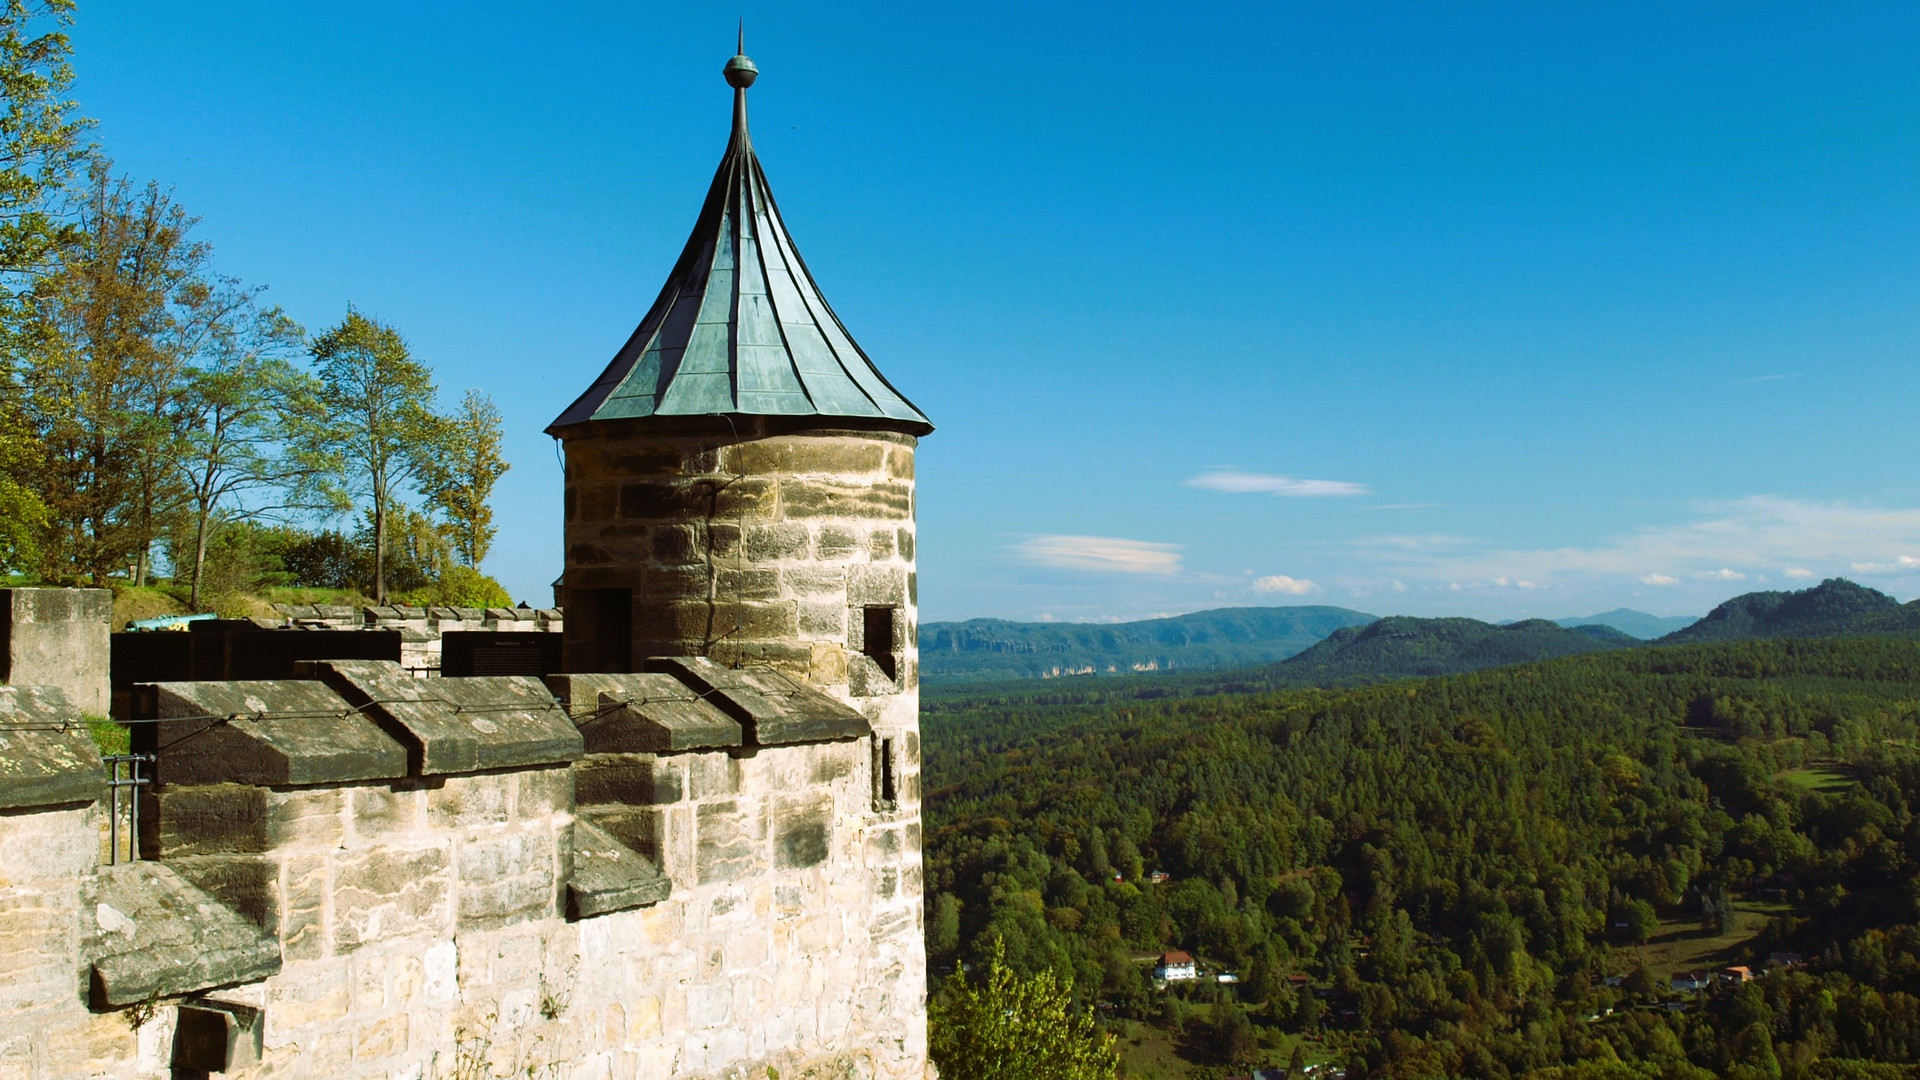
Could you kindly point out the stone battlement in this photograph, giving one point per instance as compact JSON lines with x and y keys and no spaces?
{"x":685,"y":871}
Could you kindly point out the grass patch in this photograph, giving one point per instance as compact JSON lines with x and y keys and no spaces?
{"x":1681,"y":945}
{"x":1826,"y":778}
{"x":111,"y":737}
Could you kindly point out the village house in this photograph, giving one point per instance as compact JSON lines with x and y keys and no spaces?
{"x":1176,"y":966}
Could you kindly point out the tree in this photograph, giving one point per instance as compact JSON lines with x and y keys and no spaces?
{"x":252,"y":444}
{"x":378,"y":402}
{"x":461,"y":479}
{"x":40,"y":145}
{"x":108,"y":335}
{"x":1016,"y":1027}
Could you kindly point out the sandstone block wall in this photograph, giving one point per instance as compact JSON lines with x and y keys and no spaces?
{"x":58,"y":637}
{"x":754,"y":906}
{"x":757,"y":550}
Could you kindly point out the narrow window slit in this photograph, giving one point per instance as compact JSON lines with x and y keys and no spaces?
{"x":877,"y":640}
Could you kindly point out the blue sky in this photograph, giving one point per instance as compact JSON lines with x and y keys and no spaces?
{"x":1498,"y":310}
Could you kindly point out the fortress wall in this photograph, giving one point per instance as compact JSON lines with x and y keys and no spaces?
{"x":318,"y":872}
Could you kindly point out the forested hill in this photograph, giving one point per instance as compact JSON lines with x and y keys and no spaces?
{"x":1455,"y":868}
{"x":1401,"y":646}
{"x":1834,"y":608}
{"x":989,"y":649}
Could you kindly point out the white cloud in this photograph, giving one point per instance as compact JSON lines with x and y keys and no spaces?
{"x":1904,"y":564}
{"x":1659,"y":579}
{"x":1722,"y":574}
{"x":1797,"y":572}
{"x":1237,"y":482}
{"x":1103,"y":554}
{"x":1758,"y":531}
{"x":1281,"y":583}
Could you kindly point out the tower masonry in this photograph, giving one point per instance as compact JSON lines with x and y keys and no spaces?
{"x":740,"y":487}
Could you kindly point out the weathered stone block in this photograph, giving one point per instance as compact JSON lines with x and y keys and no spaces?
{"x":463,"y":801}
{"x":835,"y":542}
{"x":676,"y":545}
{"x":727,"y":845}
{"x":629,"y":779}
{"x":880,"y":545}
{"x":772,"y":708}
{"x":802,"y":831}
{"x":712,"y":775}
{"x":682,"y":621}
{"x":875,"y":586}
{"x":816,"y":581}
{"x":58,"y":638}
{"x":45,"y":767}
{"x":697,"y":497}
{"x":608,"y":876}
{"x":903,"y":542}
{"x":303,"y":911}
{"x":152,"y":932}
{"x":782,"y":540}
{"x":386,"y":810}
{"x":389,"y":892}
{"x":180,"y":820}
{"x":823,"y":618}
{"x":828,"y":456}
{"x":457,"y":725}
{"x":543,"y":792}
{"x":886,"y":500}
{"x":643,"y":713}
{"x":249,"y":884}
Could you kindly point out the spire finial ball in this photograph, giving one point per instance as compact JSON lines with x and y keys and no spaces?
{"x":740,"y":72}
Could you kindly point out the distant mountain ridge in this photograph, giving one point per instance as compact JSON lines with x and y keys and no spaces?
{"x":992,"y":649}
{"x":1834,"y":608}
{"x":1634,"y":623}
{"x":1401,"y":646}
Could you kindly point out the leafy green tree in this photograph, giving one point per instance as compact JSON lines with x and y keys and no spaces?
{"x":40,"y":147}
{"x":378,"y":401}
{"x":40,"y":132}
{"x":107,"y":338}
{"x":249,"y":422}
{"x":459,"y":481}
{"x":1016,"y":1027}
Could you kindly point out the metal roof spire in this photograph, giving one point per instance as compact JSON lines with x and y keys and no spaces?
{"x":741,"y":328}
{"x":740,"y":74}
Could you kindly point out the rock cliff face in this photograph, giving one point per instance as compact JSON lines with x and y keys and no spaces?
{"x":684,"y":873}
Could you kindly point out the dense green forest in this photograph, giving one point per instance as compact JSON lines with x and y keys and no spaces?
{"x":1484,"y":874}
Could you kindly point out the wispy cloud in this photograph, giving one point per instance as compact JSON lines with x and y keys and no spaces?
{"x":1763,"y":378}
{"x":1237,"y":482}
{"x":1281,"y":583}
{"x":1100,"y":554}
{"x":1726,"y":541}
{"x":1797,"y":572}
{"x":1904,"y":564}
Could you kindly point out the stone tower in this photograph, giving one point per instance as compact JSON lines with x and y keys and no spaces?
{"x":739,"y":480}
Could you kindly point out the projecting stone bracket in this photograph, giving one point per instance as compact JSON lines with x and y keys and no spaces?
{"x":151,"y":933}
{"x":609,"y":876}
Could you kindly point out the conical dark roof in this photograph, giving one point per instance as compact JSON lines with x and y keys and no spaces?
{"x":740,"y":329}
